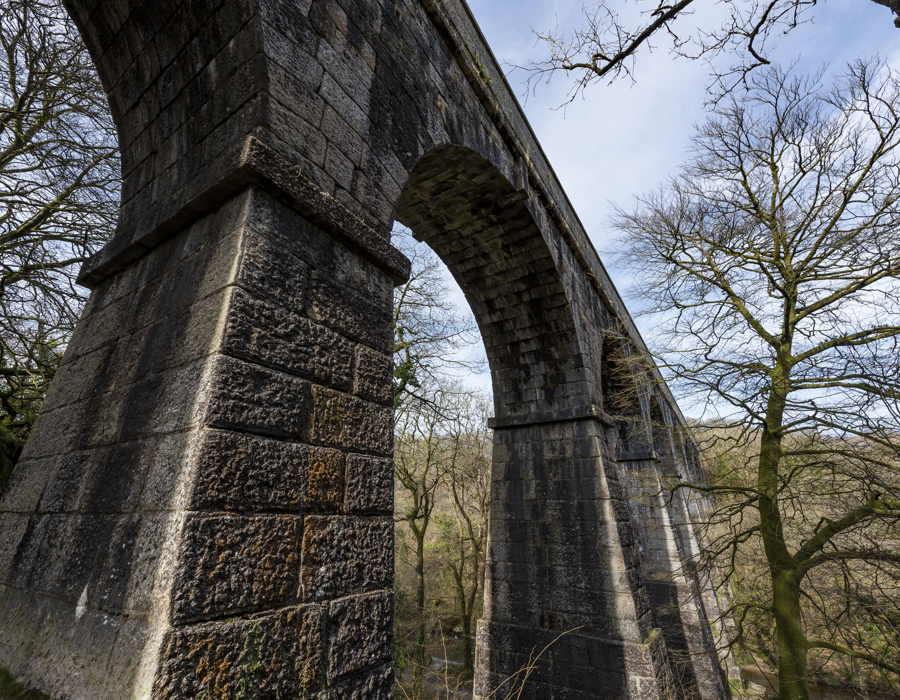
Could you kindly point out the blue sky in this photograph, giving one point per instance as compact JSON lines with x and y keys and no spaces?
{"x":625,"y":139}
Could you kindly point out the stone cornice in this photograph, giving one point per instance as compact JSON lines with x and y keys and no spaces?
{"x":257,"y":164}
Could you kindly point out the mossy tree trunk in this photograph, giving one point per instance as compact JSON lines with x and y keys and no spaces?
{"x":773,"y":266}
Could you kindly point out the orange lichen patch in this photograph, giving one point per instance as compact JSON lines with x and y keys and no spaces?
{"x":325,"y":480}
{"x":274,"y":655}
{"x":215,"y":676}
{"x":315,"y":534}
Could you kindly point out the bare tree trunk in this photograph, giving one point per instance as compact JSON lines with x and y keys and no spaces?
{"x":466,"y":602}
{"x":468,"y":644}
{"x":790,"y":638}
{"x":420,"y":651}
{"x":793,"y":683}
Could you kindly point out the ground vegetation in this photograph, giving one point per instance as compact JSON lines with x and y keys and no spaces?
{"x":770,"y":264}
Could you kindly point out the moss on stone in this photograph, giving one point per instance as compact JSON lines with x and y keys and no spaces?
{"x":10,"y":689}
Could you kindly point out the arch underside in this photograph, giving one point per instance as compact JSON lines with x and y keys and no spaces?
{"x":561,"y":485}
{"x":479,"y":225}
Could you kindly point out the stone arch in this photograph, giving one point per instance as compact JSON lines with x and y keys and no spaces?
{"x":178,"y":76}
{"x":207,"y":495}
{"x":464,"y":208}
{"x":625,"y":398}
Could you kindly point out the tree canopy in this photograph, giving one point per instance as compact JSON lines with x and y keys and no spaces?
{"x":59,"y":197}
{"x":771,"y":266}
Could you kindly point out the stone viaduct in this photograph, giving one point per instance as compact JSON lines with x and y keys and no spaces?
{"x":204,"y":508}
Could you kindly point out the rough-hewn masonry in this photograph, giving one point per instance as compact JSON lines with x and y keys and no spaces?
{"x":205,"y":503}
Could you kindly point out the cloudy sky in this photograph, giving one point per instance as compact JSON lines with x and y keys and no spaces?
{"x":626,"y":138}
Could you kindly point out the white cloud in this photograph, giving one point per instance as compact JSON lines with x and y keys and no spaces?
{"x":624,"y":139}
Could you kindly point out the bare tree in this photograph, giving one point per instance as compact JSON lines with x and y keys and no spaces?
{"x":606,"y":46}
{"x":431,"y":334}
{"x":468,"y":483}
{"x":421,"y":462}
{"x":771,"y":265}
{"x":59,"y":192}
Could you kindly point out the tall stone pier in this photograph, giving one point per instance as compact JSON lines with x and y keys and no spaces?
{"x":204,"y":507}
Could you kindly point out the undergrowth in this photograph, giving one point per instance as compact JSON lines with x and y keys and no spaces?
{"x":10,"y":689}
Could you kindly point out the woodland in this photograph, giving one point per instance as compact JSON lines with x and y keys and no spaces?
{"x":769,"y":264}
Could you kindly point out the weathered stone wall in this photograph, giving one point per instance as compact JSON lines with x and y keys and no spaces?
{"x":205,"y":501}
{"x":221,"y":444}
{"x":562,"y":557}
